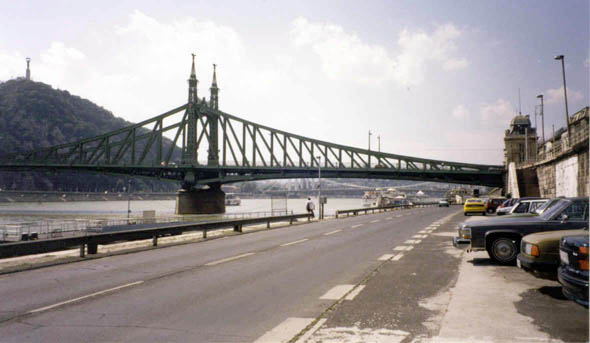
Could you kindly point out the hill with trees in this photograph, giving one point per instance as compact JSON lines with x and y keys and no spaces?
{"x":34,"y":115}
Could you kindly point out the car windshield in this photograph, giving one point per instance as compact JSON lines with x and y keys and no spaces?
{"x":576,"y":209}
{"x":546,"y":205}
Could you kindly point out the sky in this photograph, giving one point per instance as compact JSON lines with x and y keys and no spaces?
{"x":433,"y":79}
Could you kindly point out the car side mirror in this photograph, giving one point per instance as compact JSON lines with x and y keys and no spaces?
{"x":564,"y":217}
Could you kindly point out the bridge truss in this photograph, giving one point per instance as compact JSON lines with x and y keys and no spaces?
{"x":174,"y":146}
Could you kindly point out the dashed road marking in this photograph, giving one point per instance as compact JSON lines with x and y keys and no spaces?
{"x":409,"y":248}
{"x":412,"y":241}
{"x":402,"y":248}
{"x":85,"y":297}
{"x":389,"y":218}
{"x":399,"y":215}
{"x":332,"y":232}
{"x":385,"y":257}
{"x":285,"y":331}
{"x":375,"y":221}
{"x":295,"y":242}
{"x":422,"y":231}
{"x":398,"y":257}
{"x":229,"y":259}
{"x":337,"y":292}
{"x":419,"y":236}
{"x":355,"y":226}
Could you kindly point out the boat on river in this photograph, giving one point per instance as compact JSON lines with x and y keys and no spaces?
{"x":232,"y":200}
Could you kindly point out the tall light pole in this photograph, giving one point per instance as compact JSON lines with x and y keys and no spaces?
{"x":369,"y":158}
{"x":319,"y":159}
{"x":128,"y":199}
{"x":379,"y":143}
{"x":542,"y":117}
{"x":567,"y":120}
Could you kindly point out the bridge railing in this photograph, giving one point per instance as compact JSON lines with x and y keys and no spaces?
{"x":366,"y":210}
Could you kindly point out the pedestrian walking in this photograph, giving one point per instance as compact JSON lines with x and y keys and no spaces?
{"x":310,"y":207}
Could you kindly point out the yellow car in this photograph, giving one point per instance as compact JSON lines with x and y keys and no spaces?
{"x":474,"y":205}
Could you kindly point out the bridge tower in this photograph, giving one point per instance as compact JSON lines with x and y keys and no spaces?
{"x":209,"y":200}
{"x":28,"y":74}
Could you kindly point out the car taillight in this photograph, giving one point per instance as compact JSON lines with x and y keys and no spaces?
{"x":583,"y":258}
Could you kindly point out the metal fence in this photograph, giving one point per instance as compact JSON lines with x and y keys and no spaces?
{"x":82,"y":227}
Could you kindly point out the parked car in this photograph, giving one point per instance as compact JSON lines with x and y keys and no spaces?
{"x":573,"y":271}
{"x":539,"y":252}
{"x":501,"y":237}
{"x":474,"y":205}
{"x":493,"y":203}
{"x":506,"y":206}
{"x":443,"y":203}
{"x":527,"y":206}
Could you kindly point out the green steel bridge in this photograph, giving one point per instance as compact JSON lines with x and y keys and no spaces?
{"x":236,"y":150}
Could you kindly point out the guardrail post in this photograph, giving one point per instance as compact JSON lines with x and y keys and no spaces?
{"x":238,"y":228}
{"x":82,"y":250}
{"x":268,"y":224}
{"x":92,"y":248}
{"x":204,"y":233}
{"x":155,"y":241}
{"x":336,"y":214}
{"x":291,"y":221}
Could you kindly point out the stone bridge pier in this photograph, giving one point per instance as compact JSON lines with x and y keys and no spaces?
{"x":201,"y":201}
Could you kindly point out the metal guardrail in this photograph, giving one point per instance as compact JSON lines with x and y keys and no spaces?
{"x":91,"y":241}
{"x":366,"y":210}
{"x":82,"y":227}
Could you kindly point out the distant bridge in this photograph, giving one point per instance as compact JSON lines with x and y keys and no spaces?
{"x":236,"y":150}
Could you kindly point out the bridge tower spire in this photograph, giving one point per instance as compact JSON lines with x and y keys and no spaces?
{"x":214,"y":100}
{"x":190,"y":146}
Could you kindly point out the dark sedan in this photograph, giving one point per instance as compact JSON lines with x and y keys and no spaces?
{"x":573,"y":271}
{"x":501,"y":237}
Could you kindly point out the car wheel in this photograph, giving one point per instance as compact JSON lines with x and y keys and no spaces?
{"x":465,"y":214}
{"x":503,"y":250}
{"x":483,"y":213}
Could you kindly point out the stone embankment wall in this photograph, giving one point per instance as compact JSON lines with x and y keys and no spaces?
{"x":562,"y":168}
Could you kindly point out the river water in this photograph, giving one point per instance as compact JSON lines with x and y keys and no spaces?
{"x":44,"y":211}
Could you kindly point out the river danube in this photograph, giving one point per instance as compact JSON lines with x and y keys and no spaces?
{"x":41,"y":211}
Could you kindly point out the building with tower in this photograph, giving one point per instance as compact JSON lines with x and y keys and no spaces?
{"x":520,"y":141}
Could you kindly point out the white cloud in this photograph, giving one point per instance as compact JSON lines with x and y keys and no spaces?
{"x":556,"y":96}
{"x":499,"y":112}
{"x":461,"y":112}
{"x":344,"y":56}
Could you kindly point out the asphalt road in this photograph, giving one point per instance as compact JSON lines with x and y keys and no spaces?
{"x":388,"y":277}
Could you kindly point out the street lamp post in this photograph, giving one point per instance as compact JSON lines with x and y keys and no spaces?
{"x":369,"y":158}
{"x":542,"y":118}
{"x":319,"y":159}
{"x":128,"y":199}
{"x":567,"y":121}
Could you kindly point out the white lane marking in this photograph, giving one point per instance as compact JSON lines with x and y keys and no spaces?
{"x":419,"y":236}
{"x":385,"y":257}
{"x":413,"y":241}
{"x":400,"y":248}
{"x":409,"y":248}
{"x":354,"y":293}
{"x":311,"y":331}
{"x":295,"y":242}
{"x":399,"y":215}
{"x":331,"y":233}
{"x":337,"y":292}
{"x":422,"y":231}
{"x":285,"y":331}
{"x":229,"y":259}
{"x":398,"y":257}
{"x":85,"y":297}
{"x":355,"y":226}
{"x":375,"y":221}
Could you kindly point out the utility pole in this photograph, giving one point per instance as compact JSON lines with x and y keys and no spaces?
{"x":542,"y":117}
{"x":369,"y":159}
{"x":379,"y":143}
{"x":320,"y":206}
{"x":567,"y":120}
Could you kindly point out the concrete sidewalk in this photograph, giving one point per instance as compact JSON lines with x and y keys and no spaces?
{"x":437,"y":293}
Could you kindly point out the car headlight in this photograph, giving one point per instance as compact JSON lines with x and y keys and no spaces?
{"x":466,"y":232}
{"x":531,"y":249}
